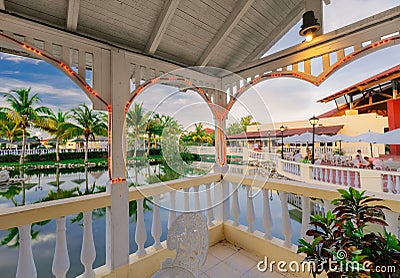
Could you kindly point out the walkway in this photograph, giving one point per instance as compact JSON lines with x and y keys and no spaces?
{"x":227,"y":260}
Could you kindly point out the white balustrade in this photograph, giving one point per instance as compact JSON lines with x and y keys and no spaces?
{"x":235,"y":204}
{"x":287,"y":229}
{"x":209,"y":211}
{"x":140,"y":233}
{"x":267,"y":217}
{"x":156,"y":229}
{"x":196,"y":198}
{"x":88,"y":253}
{"x":61,"y":259}
{"x":250,"y":214}
{"x":26,"y":265}
{"x":186,"y":199}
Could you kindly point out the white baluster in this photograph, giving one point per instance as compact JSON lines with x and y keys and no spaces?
{"x":397,"y":184}
{"x":209,"y":211}
{"x":235,"y":205}
{"x":88,"y":252}
{"x":326,"y":175}
{"x":342,"y":177}
{"x":313,"y":175}
{"x":331,"y":175}
{"x":172,"y":210}
{"x":26,"y":265}
{"x":392,"y":219}
{"x":348,"y":178}
{"x":390,"y":184}
{"x":61,"y":259}
{"x":186,"y":199}
{"x":337,"y":177}
{"x":196,"y":198}
{"x":140,"y":234}
{"x":305,"y":215}
{"x":156,"y":229}
{"x":250,"y":214}
{"x":356,"y":181}
{"x":328,"y":206}
{"x":287,"y":229}
{"x":267,"y":217}
{"x":321,"y":174}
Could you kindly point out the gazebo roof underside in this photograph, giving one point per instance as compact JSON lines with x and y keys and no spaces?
{"x":224,"y":33}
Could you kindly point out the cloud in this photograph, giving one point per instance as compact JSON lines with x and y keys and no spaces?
{"x":18,"y":59}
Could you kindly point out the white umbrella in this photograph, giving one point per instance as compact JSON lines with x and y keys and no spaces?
{"x":290,"y":139}
{"x":307,"y":137}
{"x":369,"y":137}
{"x":326,"y":138}
{"x":391,"y":138}
{"x":342,"y":138}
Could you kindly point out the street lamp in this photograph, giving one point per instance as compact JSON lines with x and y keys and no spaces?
{"x":269,"y":141}
{"x":313,"y":121}
{"x":282,"y":128}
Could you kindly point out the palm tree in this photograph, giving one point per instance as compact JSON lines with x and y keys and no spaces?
{"x":137,"y":119}
{"x":25,"y":113}
{"x":246,"y":121}
{"x":60,"y":128}
{"x":89,"y":124}
{"x":9,"y":130}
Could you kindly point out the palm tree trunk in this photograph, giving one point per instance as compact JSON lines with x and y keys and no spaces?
{"x":22,"y":157}
{"x":58,"y":150}
{"x":136,"y":143}
{"x":21,"y":175}
{"x":58,"y":177}
{"x":86,"y":149}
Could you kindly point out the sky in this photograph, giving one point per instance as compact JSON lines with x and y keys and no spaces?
{"x":276,"y":100}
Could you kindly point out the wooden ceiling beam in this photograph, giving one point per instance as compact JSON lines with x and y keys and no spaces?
{"x":233,"y":19}
{"x":72,"y":15}
{"x":161,"y":25}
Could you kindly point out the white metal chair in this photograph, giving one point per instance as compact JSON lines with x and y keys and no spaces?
{"x":378,"y":164}
{"x":188,"y":235}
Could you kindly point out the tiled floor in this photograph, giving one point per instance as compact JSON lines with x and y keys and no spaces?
{"x":227,"y":260}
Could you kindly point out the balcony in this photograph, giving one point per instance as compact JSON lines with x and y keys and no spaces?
{"x":243,"y":223}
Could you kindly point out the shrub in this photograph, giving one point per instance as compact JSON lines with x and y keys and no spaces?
{"x":342,"y":248}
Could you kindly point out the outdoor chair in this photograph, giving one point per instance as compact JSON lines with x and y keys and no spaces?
{"x":188,"y":235}
{"x":378,"y":164}
{"x":387,"y":164}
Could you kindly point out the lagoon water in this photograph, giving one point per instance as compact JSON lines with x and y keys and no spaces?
{"x":38,"y":187}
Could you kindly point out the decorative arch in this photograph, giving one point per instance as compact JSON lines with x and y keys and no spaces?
{"x":316,"y":80}
{"x":87,"y":89}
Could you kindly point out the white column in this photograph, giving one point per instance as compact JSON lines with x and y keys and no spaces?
{"x":305,"y":215}
{"x":26,"y":265}
{"x":209,"y":211}
{"x":61,"y":259}
{"x":392,"y":219}
{"x":287,"y":229}
{"x":140,"y":233}
{"x":267,"y":217}
{"x":114,"y":75}
{"x":88,"y":253}
{"x":250,"y":214}
{"x":156,"y":229}
{"x":235,"y":204}
{"x":172,"y":209}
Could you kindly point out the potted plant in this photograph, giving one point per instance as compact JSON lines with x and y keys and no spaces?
{"x":341,"y":246}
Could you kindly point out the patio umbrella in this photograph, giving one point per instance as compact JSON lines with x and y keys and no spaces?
{"x":342,"y":138}
{"x":307,"y":137}
{"x":368,"y":137}
{"x":391,"y":138}
{"x":289,"y":139}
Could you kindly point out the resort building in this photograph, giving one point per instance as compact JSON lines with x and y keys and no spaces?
{"x":116,"y":51}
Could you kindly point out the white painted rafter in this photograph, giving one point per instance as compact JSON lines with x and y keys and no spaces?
{"x":159,"y":29}
{"x":286,"y":24}
{"x":233,"y":19}
{"x":327,"y":2}
{"x":72,"y":14}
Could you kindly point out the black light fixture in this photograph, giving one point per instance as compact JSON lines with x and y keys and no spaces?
{"x":269,"y":141}
{"x":282,"y":129}
{"x":310,"y":26}
{"x":313,"y":121}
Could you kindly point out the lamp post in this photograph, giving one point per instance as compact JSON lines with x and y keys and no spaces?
{"x":269,"y":141}
{"x":282,"y":129}
{"x":313,"y":121}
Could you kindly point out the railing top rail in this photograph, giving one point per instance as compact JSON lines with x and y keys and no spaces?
{"x":320,"y":191}
{"x":140,"y":192}
{"x":31,"y":213}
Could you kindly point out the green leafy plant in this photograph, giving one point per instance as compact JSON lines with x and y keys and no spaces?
{"x":340,"y":244}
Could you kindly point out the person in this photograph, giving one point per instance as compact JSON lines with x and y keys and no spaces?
{"x":308,"y":152}
{"x":297,"y":156}
{"x":359,"y":161}
{"x":363,"y":160}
